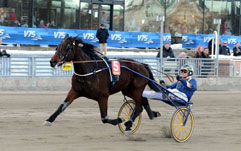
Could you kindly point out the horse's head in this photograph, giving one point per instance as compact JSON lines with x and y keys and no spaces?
{"x":64,"y":52}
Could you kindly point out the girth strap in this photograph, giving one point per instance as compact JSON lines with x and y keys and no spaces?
{"x":110,"y":72}
{"x":113,"y":78}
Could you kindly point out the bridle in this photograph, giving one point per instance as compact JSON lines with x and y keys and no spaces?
{"x":62,"y":56}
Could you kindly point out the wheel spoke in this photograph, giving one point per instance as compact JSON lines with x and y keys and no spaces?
{"x":188,"y":127}
{"x":188,"y":121}
{"x":125,"y":114}
{"x":178,"y":132}
{"x":178,"y":120}
{"x":126,"y":109}
{"x":180,"y":136}
{"x":186,"y":130}
{"x":181,"y":117}
{"x":183,"y":133}
{"x":178,"y":114}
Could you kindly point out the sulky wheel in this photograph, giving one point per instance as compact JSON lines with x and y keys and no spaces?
{"x":180,"y":132}
{"x":125,"y":112}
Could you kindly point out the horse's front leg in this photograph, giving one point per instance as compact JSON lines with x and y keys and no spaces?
{"x":72,"y":95}
{"x":137,"y":112}
{"x":103,"y":105}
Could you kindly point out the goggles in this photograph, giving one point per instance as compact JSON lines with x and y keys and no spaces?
{"x":184,"y":71}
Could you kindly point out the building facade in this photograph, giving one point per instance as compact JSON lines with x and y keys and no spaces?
{"x":181,"y":16}
{"x":71,"y":14}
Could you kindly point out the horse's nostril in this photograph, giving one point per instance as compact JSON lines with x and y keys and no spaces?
{"x":53,"y":63}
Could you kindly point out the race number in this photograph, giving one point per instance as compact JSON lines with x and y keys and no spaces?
{"x":67,"y":66}
{"x":115,"y":67}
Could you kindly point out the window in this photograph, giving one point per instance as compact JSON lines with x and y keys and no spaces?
{"x":14,"y":12}
{"x":118,"y":17}
{"x":85,"y":15}
{"x":184,"y":17}
{"x":141,"y":17}
{"x":227,"y":11}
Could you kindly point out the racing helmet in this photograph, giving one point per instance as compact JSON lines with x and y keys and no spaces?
{"x":188,"y":68}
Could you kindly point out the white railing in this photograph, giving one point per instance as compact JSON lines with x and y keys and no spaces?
{"x":38,"y":66}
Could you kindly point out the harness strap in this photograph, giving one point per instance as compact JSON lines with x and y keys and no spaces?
{"x":95,"y":61}
{"x":111,"y":78}
{"x":88,"y":74}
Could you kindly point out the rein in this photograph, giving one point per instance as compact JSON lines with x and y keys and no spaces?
{"x":170,"y":78}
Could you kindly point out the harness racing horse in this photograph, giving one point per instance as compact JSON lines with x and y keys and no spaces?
{"x":87,"y":82}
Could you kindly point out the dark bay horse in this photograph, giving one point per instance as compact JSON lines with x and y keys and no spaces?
{"x":96,"y":86}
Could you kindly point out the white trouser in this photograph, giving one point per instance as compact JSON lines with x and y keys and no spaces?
{"x":103,"y":48}
{"x":158,"y":95}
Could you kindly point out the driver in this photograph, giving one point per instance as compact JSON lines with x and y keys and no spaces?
{"x":183,"y":88}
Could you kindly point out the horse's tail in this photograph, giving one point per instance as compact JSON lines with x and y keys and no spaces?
{"x":152,"y":85}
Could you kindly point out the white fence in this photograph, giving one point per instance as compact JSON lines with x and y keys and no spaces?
{"x":39,"y":66}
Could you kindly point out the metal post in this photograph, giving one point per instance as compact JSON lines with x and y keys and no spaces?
{"x":32,"y":72}
{"x":162,"y":20}
{"x":203,"y":32}
{"x":215,"y":37}
{"x":217,"y":53}
{"x":218,"y":22}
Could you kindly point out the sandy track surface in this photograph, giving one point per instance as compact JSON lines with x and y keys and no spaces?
{"x":217,"y":124}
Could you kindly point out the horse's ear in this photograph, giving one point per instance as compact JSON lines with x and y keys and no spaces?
{"x":74,"y":38}
{"x":78,"y":41}
{"x":66,"y":36}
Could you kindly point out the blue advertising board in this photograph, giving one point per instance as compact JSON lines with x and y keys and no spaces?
{"x":48,"y":36}
{"x":192,"y":41}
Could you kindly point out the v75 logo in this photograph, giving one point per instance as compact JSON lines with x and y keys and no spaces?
{"x":207,"y":39}
{"x":29,"y":33}
{"x":167,"y":38}
{"x":59,"y":35}
{"x":232,"y":41}
{"x":88,"y":35}
{"x":1,"y":32}
{"x":142,"y":37}
{"x":115,"y":36}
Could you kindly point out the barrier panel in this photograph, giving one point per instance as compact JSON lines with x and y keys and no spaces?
{"x":48,"y":36}
{"x":192,"y":41}
{"x":38,"y":66}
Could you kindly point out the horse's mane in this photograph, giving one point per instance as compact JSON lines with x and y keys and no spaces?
{"x":89,"y":49}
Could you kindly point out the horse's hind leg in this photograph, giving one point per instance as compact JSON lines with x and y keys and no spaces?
{"x":72,"y":95}
{"x":151,"y":114}
{"x":103,"y":105}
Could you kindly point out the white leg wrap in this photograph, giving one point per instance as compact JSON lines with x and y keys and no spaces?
{"x":47,"y":123}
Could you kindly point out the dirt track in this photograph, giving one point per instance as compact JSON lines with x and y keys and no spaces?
{"x":217,"y":117}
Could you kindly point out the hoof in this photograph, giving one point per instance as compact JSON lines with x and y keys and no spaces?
{"x":128,"y":133}
{"x":122,"y":120}
{"x":156,"y":114}
{"x":47,"y":123}
{"x":128,"y":125}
